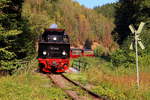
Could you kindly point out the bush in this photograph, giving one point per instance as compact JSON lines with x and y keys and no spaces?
{"x":99,"y":51}
{"x":122,"y":58}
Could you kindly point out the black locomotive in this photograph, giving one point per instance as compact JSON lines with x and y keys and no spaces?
{"x":54,"y":50}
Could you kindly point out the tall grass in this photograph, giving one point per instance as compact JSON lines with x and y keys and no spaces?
{"x":118,"y":83}
{"x":29,"y":85}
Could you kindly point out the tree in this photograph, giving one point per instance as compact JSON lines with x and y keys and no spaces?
{"x":131,"y":12}
{"x":107,"y":10}
{"x":8,"y":33}
{"x":13,"y":38}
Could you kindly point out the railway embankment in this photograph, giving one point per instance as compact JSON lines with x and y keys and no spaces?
{"x":74,"y":90}
{"x":98,"y":76}
{"x":117,"y":83}
{"x":28,"y":84}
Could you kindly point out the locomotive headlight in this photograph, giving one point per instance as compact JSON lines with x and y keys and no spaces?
{"x":54,"y":38}
{"x":44,"y":52}
{"x":64,"y":53}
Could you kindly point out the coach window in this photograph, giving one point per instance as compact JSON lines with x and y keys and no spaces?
{"x":76,"y":52}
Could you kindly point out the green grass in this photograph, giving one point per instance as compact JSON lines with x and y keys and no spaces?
{"x":29,"y":85}
{"x":81,"y":77}
{"x":111,"y":81}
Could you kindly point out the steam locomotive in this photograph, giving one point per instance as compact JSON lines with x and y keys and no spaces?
{"x":54,"y":50}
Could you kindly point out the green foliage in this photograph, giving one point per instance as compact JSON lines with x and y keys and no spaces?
{"x":10,"y":33}
{"x":6,"y":55}
{"x":123,"y":58}
{"x":99,"y":51}
{"x":131,"y":12}
{"x":145,"y":40}
{"x":108,"y":10}
{"x":144,"y":63}
{"x":13,"y":37}
{"x":106,"y":89}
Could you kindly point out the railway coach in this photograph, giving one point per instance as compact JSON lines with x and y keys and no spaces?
{"x":76,"y":53}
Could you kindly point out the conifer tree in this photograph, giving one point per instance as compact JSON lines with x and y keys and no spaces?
{"x":8,"y":34}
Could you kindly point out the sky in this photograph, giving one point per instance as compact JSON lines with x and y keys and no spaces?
{"x":93,"y":3}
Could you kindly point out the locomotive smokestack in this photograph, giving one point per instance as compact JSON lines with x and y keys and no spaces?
{"x":53,"y":26}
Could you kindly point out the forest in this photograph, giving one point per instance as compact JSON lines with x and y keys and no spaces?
{"x":111,"y":72}
{"x":22,"y":22}
{"x":123,"y":14}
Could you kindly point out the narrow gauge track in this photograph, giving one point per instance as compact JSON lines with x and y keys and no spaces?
{"x":69,"y":88}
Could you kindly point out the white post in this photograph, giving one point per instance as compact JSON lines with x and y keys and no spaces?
{"x":137,"y":40}
{"x":137,"y":67}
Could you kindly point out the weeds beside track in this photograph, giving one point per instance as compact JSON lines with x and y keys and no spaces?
{"x":74,"y":90}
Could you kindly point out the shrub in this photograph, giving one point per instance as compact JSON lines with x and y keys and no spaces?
{"x":122,"y":58}
{"x":99,"y":51}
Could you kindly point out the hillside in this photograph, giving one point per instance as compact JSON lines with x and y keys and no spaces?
{"x":108,"y":10}
{"x":80,"y":23}
{"x":22,"y":22}
{"x":111,"y":73}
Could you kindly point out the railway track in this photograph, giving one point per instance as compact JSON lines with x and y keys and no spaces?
{"x":73,"y":89}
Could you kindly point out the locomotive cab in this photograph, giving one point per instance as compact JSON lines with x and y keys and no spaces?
{"x":55,"y":35}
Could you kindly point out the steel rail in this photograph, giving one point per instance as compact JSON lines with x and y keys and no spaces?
{"x":70,"y":92}
{"x":85,"y":89}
